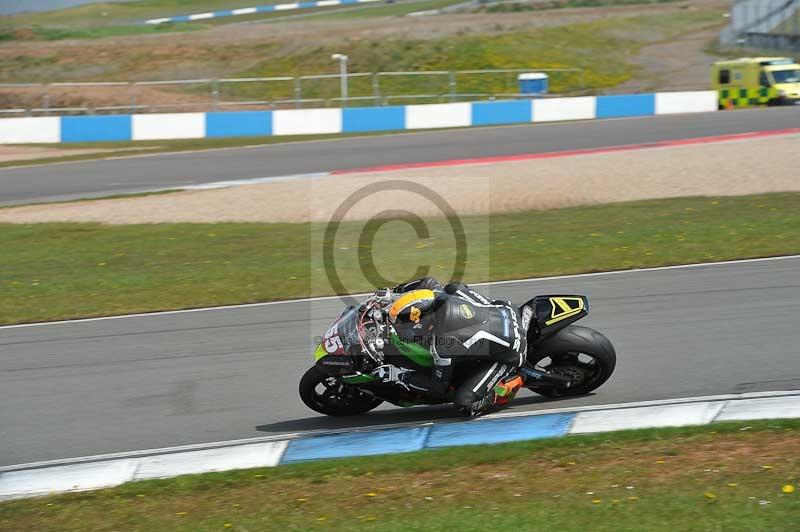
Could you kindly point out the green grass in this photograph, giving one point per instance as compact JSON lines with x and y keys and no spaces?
{"x":517,"y":6}
{"x":397,"y":9}
{"x":102,"y":14}
{"x":100,"y":20}
{"x":727,"y":476}
{"x":57,"y":34}
{"x":598,"y":47}
{"x":59,"y":271}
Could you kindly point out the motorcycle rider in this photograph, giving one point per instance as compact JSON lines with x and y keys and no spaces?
{"x":457,"y":325}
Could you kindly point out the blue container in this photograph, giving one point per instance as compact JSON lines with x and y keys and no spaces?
{"x":533,"y":83}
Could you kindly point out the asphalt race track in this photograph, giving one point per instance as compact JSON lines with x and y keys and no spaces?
{"x":98,"y":178}
{"x":99,"y":386}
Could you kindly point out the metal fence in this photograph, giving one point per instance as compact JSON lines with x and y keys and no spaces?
{"x":285,"y":92}
{"x":764,"y":24}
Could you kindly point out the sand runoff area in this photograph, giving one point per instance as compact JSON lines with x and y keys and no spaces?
{"x":733,"y":167}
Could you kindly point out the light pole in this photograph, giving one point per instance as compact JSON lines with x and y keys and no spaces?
{"x":342,"y":75}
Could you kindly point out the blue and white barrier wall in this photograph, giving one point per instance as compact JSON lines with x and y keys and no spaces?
{"x":348,"y":120}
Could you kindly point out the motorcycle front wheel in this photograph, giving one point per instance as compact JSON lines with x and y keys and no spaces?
{"x":327,"y":395}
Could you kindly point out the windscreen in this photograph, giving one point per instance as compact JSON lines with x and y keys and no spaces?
{"x":347,"y":329}
{"x":786,"y":76}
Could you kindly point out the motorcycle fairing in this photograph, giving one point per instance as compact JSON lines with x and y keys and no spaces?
{"x":414,"y":352}
{"x":552,"y":313}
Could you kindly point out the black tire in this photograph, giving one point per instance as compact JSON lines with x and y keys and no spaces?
{"x":350,"y":402}
{"x":564,"y":349}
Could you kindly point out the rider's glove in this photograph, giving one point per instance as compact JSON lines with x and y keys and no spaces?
{"x":389,"y":373}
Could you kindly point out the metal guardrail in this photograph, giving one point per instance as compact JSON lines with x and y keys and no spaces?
{"x":366,"y":88}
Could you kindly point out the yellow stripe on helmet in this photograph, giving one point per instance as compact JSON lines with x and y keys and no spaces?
{"x":410,"y":298}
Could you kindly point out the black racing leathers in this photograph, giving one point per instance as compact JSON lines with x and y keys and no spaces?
{"x":465,"y":328}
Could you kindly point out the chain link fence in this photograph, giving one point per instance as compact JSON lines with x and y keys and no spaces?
{"x":287,"y":92}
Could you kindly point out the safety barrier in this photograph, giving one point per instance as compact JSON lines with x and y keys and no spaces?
{"x":346,"y":120}
{"x":270,"y":8}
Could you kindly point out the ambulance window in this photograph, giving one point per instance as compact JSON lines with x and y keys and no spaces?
{"x":763,"y":80}
{"x":724,"y":77}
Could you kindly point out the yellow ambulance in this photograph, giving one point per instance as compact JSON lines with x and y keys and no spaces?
{"x":753,"y":81}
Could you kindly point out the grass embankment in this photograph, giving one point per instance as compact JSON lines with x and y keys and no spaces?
{"x":600,"y":47}
{"x":56,"y":271}
{"x":98,"y":20}
{"x":516,"y":6}
{"x":727,"y":476}
{"x":81,"y":21}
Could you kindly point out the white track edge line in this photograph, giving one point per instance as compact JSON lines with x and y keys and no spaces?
{"x":725,"y":398}
{"x":323,"y":298}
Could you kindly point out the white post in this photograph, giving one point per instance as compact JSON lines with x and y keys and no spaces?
{"x":342,"y":75}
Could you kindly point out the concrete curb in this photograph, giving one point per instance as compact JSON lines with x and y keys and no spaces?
{"x":105,"y":471}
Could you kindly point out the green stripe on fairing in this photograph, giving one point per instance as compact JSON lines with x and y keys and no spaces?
{"x":319,"y":352}
{"x":414,"y":352}
{"x":358,"y":379}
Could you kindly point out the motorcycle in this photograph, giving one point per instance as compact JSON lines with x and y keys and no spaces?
{"x":562,"y":359}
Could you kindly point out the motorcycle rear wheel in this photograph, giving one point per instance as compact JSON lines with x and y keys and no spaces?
{"x":578,"y":352}
{"x":327,"y":395}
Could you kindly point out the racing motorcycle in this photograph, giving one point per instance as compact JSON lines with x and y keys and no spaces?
{"x":562,"y":359}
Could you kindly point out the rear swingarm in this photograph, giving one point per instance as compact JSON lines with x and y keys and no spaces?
{"x":541,"y":379}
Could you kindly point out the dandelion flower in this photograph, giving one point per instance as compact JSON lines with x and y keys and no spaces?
{"x":788,"y":488}
{"x":371,"y":494}
{"x":709,"y":495}
{"x":227,"y":525}
{"x":766,"y":467}
{"x":597,"y":501}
